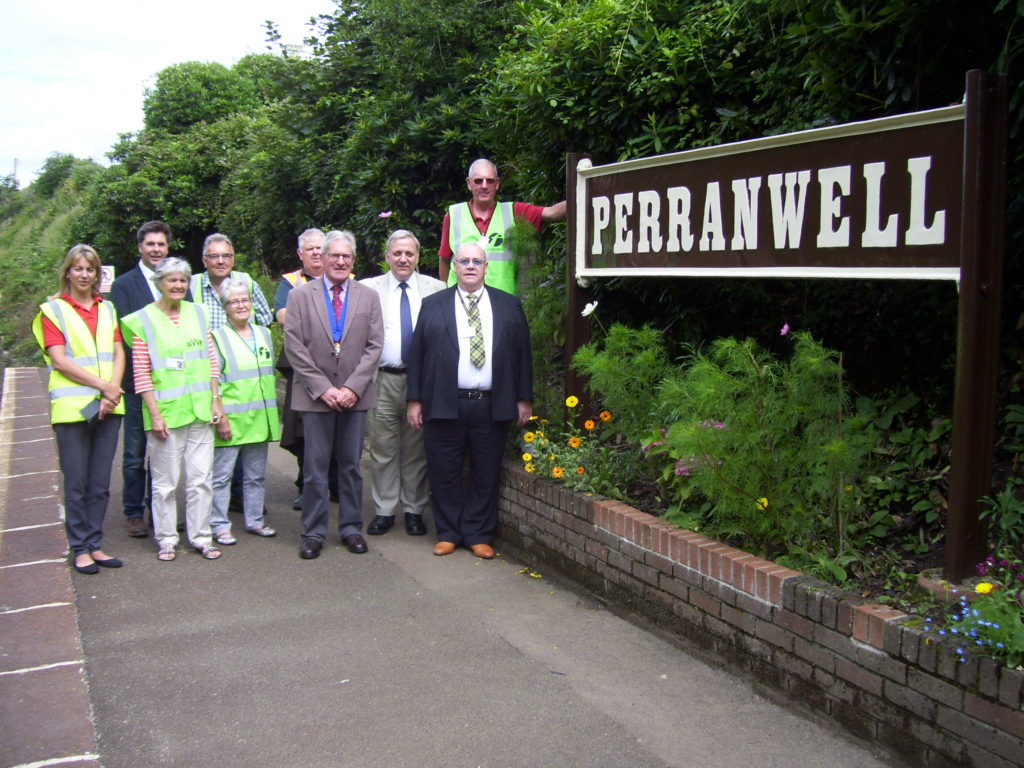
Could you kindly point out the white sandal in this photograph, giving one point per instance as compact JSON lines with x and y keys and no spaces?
{"x":224,"y":538}
{"x":209,"y":551}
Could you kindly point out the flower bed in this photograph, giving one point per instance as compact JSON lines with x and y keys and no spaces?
{"x":872,"y":669}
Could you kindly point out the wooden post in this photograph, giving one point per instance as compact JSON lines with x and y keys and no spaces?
{"x":981,"y":284}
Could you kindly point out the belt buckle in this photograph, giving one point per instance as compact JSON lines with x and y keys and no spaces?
{"x":475,"y":394}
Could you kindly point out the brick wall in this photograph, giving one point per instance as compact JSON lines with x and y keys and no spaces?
{"x":827,"y":651}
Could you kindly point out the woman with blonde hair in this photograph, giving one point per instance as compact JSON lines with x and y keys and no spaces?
{"x":77,"y":331}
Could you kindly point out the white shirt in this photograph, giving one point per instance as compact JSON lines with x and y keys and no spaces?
{"x":471,"y":377}
{"x":391,"y":354}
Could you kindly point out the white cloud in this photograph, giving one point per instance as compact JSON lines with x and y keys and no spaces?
{"x":72,"y":74}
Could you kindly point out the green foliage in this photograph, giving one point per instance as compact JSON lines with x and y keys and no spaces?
{"x":194,"y":92}
{"x":623,"y":371}
{"x":766,"y":443}
{"x":1005,"y":513}
{"x":904,"y":488}
{"x":56,"y":170}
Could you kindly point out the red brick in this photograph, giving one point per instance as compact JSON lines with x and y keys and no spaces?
{"x":994,"y":714}
{"x":869,"y":622}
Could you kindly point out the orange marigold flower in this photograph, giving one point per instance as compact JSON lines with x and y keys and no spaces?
{"x":574,"y":442}
{"x":605,"y":415}
{"x":580,"y":470}
{"x":589,"y":425}
{"x":557,"y":471}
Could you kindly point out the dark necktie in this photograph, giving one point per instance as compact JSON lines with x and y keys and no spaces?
{"x":336,"y":302}
{"x":405,"y":320}
{"x":477,"y":354}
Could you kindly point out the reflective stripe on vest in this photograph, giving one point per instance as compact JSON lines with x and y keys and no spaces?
{"x":502,"y":271}
{"x":248,"y":386}
{"x":179,"y":362}
{"x":94,"y":354}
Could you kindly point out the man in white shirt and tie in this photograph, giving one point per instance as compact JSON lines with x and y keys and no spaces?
{"x":397,"y":459}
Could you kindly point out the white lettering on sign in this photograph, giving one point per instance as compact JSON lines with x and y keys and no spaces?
{"x":788,"y":208}
{"x":639,"y":222}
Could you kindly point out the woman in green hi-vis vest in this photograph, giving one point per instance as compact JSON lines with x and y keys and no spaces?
{"x":245,"y":356}
{"x":176,"y":375}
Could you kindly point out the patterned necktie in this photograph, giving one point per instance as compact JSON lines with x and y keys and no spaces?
{"x":405,"y":320}
{"x":336,"y":302}
{"x":477,"y":355}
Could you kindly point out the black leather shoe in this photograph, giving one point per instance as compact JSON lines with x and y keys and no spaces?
{"x":414,"y":525}
{"x":90,"y":568}
{"x":354,"y":543}
{"x":110,"y":562}
{"x":381,"y":524}
{"x":310,"y":549}
{"x":297,"y":504}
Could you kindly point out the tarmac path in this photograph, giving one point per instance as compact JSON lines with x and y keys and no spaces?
{"x":396,"y":659}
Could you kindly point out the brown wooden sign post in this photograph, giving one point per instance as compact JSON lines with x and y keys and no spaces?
{"x":917,"y":196}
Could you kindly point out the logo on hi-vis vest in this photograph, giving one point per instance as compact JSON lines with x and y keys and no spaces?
{"x":496,"y":241}
{"x":264,"y":353}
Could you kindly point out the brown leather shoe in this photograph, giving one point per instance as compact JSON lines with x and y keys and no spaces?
{"x":136,"y":527}
{"x":482,"y":550}
{"x":444,"y":548}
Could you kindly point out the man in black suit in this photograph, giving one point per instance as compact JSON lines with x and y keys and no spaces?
{"x":131,"y":292}
{"x":470,"y":375}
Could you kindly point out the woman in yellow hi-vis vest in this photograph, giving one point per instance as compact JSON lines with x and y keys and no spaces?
{"x":176,"y":376}
{"x":77,"y":331}
{"x":245,"y":356}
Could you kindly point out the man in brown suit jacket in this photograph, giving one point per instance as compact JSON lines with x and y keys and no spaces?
{"x":333,"y":335}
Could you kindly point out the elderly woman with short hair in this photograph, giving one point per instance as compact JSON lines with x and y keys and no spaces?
{"x":176,"y":375}
{"x":245,"y":357}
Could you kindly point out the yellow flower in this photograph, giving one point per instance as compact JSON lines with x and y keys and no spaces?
{"x":580,"y":470}
{"x":605,"y":415}
{"x":984,"y":588}
{"x":530,"y":468}
{"x":557,"y":471}
{"x":551,"y":457}
{"x":572,"y":401}
{"x":589,"y":424}
{"x":574,"y":442}
{"x":529,"y":437}
{"x":848,"y":488}
{"x":527,"y":457}
{"x":762,"y":504}
{"x":543,"y":421}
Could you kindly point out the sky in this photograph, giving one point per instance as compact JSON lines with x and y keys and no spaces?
{"x":73,"y":74}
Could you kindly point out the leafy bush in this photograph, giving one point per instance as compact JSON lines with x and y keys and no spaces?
{"x":766,"y":446}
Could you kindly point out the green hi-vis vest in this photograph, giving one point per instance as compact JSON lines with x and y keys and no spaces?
{"x":197,"y":282}
{"x":179,"y":362}
{"x":247,"y":386}
{"x":502,"y":268}
{"x":96,"y":355}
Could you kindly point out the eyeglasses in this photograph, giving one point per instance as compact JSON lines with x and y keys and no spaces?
{"x":340,"y":256}
{"x":480,"y":182}
{"x":474,"y":262}
{"x":218,"y":256}
{"x":239,"y":303}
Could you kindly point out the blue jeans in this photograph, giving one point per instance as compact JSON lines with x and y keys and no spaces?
{"x":135,"y":491}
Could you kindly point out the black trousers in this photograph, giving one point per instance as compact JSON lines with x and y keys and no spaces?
{"x":465,"y":506}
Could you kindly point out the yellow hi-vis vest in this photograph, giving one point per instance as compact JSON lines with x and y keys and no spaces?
{"x":247,"y":386}
{"x":502,"y":268}
{"x":96,"y":355}
{"x":179,"y":362}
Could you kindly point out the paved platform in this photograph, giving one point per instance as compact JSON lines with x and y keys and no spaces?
{"x":392,"y":658}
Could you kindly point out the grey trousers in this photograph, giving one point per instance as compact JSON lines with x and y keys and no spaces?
{"x":344,"y":433}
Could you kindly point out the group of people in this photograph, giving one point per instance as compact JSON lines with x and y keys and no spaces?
{"x":433,"y":375}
